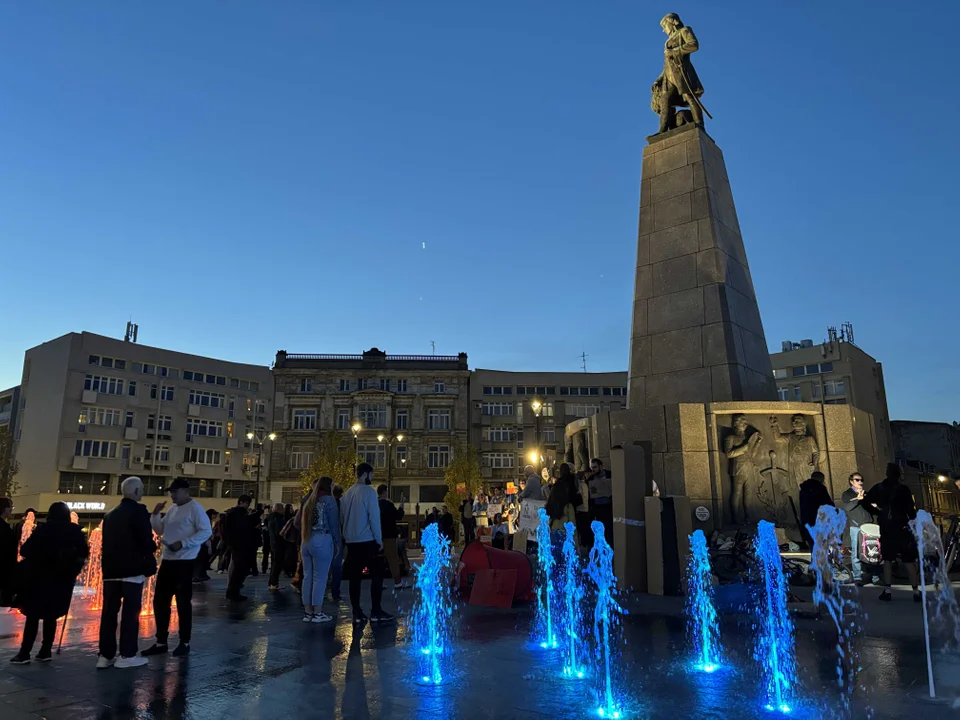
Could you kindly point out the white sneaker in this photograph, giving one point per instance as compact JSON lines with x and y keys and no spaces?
{"x":308,"y":618}
{"x":321,"y":617}
{"x":103,"y":663}
{"x":135,"y":661}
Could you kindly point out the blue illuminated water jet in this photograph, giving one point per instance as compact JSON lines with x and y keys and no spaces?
{"x":825,"y":559}
{"x":572,"y":621}
{"x":433,"y":608}
{"x":702,"y":622}
{"x":547,"y":563}
{"x":774,"y":648}
{"x":606,"y":616}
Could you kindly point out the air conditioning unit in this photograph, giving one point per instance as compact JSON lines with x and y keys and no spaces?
{"x":786,"y":345}
{"x":179,"y":466}
{"x":806,"y":343}
{"x":138,"y":460}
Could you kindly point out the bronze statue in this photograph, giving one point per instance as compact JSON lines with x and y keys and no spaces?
{"x":803,"y":454}
{"x":678,"y":85}
{"x":741,"y":451}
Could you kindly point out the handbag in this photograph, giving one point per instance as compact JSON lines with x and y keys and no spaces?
{"x":291,"y":530}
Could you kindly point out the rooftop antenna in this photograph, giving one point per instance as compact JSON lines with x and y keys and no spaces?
{"x":583,"y":360}
{"x":433,"y":347}
{"x":131,"y":332}
{"x":847,"y":331}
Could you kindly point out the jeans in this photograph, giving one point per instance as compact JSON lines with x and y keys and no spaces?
{"x":365,"y":555}
{"x":130,"y":596}
{"x":278,"y":556}
{"x":469,"y":530}
{"x":30,"y":627}
{"x":174,"y":579}
{"x":855,"y":555}
{"x":317,"y":554}
{"x":336,"y":573}
{"x":237,"y":572}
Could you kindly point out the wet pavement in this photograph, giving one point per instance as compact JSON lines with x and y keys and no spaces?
{"x":261,"y":661}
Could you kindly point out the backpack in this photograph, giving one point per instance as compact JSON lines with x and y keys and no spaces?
{"x":869,"y":549}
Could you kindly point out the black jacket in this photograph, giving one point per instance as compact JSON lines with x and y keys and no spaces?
{"x":275,"y":523}
{"x":390,"y":515}
{"x":128,"y":545}
{"x":858,"y":511}
{"x":8,"y":562}
{"x":53,"y":556}
{"x":813,"y":495}
{"x":238,"y":529}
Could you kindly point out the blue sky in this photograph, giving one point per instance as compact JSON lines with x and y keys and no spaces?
{"x":245,"y":177}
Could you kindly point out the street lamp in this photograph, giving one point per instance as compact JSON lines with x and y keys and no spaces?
{"x":390,"y":440}
{"x":259,"y":439}
{"x":537,"y":406}
{"x":355,"y":428}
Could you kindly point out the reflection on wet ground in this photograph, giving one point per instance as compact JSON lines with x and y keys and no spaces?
{"x":261,"y":661}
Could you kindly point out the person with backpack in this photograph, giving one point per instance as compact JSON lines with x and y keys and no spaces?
{"x":896,"y":508}
{"x":853,"y":501}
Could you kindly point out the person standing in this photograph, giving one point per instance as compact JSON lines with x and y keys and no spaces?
{"x":896,"y":509}
{"x":276,"y":544}
{"x":390,"y":515}
{"x":854,"y":504}
{"x":446,"y":523}
{"x":238,"y":534}
{"x":336,"y":566}
{"x":183,"y":530}
{"x":364,"y":540}
{"x":813,"y":496}
{"x":601,"y":497}
{"x":126,"y":562}
{"x":53,"y":556}
{"x":467,"y":519}
{"x":8,"y":553}
{"x":532,"y":489}
{"x":320,"y":533}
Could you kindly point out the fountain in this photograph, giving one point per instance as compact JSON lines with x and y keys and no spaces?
{"x":29,"y":523}
{"x":774,"y":648}
{"x":606,"y":615}
{"x":946,"y":615}
{"x":433,"y":607}
{"x":573,"y":593}
{"x":92,"y":573}
{"x":547,"y":563}
{"x":702,"y":621}
{"x":826,"y":559}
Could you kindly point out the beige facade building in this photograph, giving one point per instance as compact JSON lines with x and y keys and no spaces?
{"x":836,"y":372}
{"x":410,"y":412}
{"x":518,"y":418}
{"x":96,"y":409}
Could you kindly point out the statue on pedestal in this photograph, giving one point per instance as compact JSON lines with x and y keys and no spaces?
{"x":802,"y":451}
{"x":678,"y":85}
{"x":741,"y":451}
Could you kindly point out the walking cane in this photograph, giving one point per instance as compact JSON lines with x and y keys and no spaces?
{"x":62,"y":630}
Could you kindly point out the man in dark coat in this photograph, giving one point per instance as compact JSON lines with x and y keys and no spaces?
{"x":897,"y":508}
{"x":127,"y":560}
{"x":53,"y":556}
{"x":8,"y":553}
{"x":276,"y":545}
{"x":813,"y":495}
{"x":238,"y":535}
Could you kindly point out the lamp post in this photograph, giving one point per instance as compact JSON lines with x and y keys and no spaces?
{"x":390,"y":440}
{"x":537,"y":406}
{"x":355,"y":429}
{"x":259,"y":439}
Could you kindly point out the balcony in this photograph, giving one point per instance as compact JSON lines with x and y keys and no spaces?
{"x":131,"y":434}
{"x":189,"y":468}
{"x":80,"y":462}
{"x":89,"y":397}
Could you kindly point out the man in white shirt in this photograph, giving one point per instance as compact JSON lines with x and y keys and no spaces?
{"x":362,"y":535}
{"x":183,"y":530}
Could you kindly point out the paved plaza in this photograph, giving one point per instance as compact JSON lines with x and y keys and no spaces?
{"x":259,"y":661}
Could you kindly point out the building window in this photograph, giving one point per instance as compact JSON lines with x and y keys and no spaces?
{"x":798,"y":371}
{"x":841,"y":401}
{"x":439,"y":386}
{"x":251,"y":385}
{"x":579,"y":391}
{"x":306,"y":385}
{"x":344,"y":385}
{"x":98,"y":416}
{"x":403,"y":417}
{"x":438,"y":420}
{"x":376,"y":455}
{"x":304,"y":419}
{"x":343,"y":419}
{"x":385,"y":384}
{"x":125,"y":451}
{"x":519,"y":438}
{"x":236,"y":488}
{"x":165,"y":424}
{"x":105,"y":385}
{"x":497,"y":390}
{"x":615,"y":391}
{"x":363,"y":384}
{"x":200,"y":488}
{"x":548,"y":434}
{"x":833,"y":387}
{"x":536,"y":390}
{"x":816,"y":391}
{"x":201,"y":456}
{"x":132,"y":388}
{"x":577,"y":410}
{"x":206,"y":399}
{"x":163,"y":454}
{"x":166,"y":393}
{"x":797,"y":393}
{"x":96,"y":448}
{"x":433,"y":493}
{"x":438,"y":456}
{"x":401,"y":386}
{"x":261,"y":406}
{"x":498,"y":460}
{"x":546,"y":410}
{"x":373,"y":416}
{"x":300,"y":460}
{"x":500,"y":433}
{"x":783,"y":394}
{"x":401,"y":456}
{"x":108,"y":362}
{"x":232,"y":407}
{"x":131,"y":416}
{"x":83,"y":483}
{"x":780,"y":373}
{"x":826,"y":367}
{"x":497,"y":408}
{"x":203,"y":428}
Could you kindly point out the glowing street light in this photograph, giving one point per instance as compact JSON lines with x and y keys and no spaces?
{"x":259,"y":439}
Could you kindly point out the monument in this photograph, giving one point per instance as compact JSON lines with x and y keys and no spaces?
{"x":703,"y":420}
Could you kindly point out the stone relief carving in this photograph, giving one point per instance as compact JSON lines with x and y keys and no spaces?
{"x":801,"y":449}
{"x":741,"y":451}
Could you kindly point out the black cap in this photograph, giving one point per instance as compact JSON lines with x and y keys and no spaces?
{"x":179,"y":484}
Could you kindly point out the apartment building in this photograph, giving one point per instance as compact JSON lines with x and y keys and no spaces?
{"x":9,"y":402}
{"x":836,"y":372}
{"x":929,"y":454}
{"x":403,"y":413}
{"x":95,"y":410}
{"x":518,"y":418}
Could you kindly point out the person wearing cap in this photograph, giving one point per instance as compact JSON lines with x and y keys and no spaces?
{"x":183,"y":530}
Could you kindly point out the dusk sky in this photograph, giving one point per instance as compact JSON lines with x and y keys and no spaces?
{"x":321,"y":176}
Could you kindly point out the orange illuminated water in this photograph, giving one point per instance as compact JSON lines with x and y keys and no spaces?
{"x":29,"y":523}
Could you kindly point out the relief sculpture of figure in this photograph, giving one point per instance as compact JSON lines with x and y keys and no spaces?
{"x":802,"y":451}
{"x":678,"y":84}
{"x":741,"y":451}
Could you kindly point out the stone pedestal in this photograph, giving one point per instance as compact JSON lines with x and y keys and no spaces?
{"x":697,"y":335}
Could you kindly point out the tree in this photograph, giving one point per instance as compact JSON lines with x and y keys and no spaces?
{"x":462,"y":476}
{"x":8,"y":466}
{"x":333,"y":457}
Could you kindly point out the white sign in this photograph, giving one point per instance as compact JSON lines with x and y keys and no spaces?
{"x":493,"y":509}
{"x":529,"y":517}
{"x":702,"y":513}
{"x":87,"y":505}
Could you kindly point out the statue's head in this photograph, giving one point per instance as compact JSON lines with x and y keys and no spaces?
{"x":740,"y":423}
{"x":670,"y":23}
{"x":799,"y":423}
